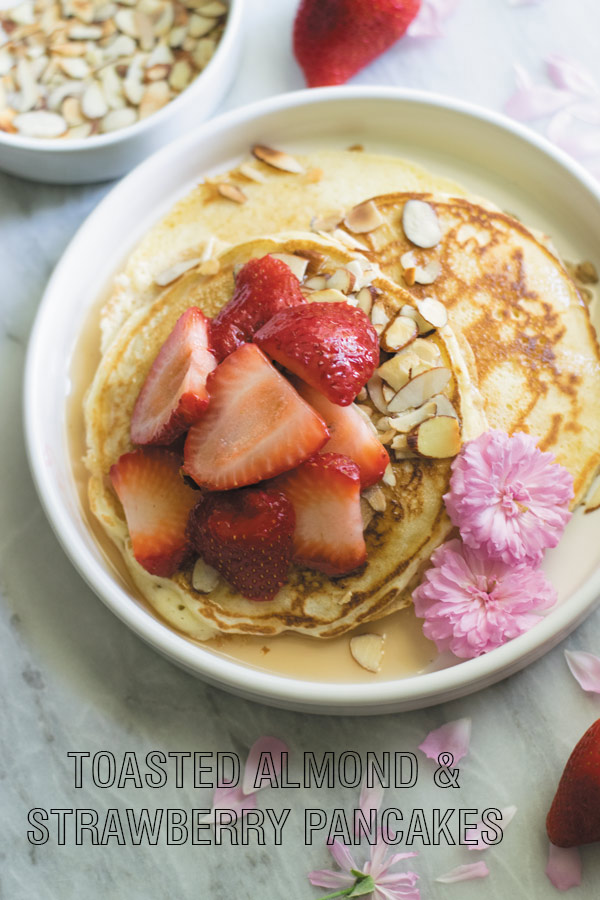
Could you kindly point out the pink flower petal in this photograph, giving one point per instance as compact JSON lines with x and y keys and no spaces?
{"x":370,"y":797}
{"x":564,"y":867}
{"x":585,"y":667}
{"x":508,"y":814}
{"x":341,"y":855}
{"x":536,"y":101}
{"x":453,"y":737}
{"x":465,"y":873}
{"x":328,"y":879}
{"x":266,"y":745}
{"x":429,"y":20}
{"x":230,"y":798}
{"x":570,"y":75}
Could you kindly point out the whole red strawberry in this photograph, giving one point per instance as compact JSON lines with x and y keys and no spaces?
{"x":263,"y":287}
{"x":247,"y":536}
{"x":331,"y":346}
{"x":574,"y":816}
{"x":334,"y":39}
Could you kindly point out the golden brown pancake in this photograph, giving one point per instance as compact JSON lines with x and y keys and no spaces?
{"x":399,"y":539}
{"x":522,"y":326}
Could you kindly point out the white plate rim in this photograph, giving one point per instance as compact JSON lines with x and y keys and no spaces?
{"x":343,"y":698}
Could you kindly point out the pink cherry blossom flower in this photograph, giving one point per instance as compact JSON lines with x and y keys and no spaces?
{"x":429,"y":22}
{"x":508,"y":498}
{"x":385,"y":885}
{"x":472,"y":604}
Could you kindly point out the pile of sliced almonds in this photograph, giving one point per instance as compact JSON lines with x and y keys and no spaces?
{"x":76,"y":68}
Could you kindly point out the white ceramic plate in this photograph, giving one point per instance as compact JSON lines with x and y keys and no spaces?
{"x":490,"y":155}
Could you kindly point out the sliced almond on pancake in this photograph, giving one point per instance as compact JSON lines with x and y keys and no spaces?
{"x":277,"y":159}
{"x":231,"y":192}
{"x":298,"y":264}
{"x":329,"y":295}
{"x":379,"y":317}
{"x":388,"y":393}
{"x":367,"y":650}
{"x":363,"y":218}
{"x":376,"y":498}
{"x":327,"y":222}
{"x":399,"y":334}
{"x":409,"y":276}
{"x":248,"y":171}
{"x":420,"y":389}
{"x":426,"y":350}
{"x":443,"y":406}
{"x":397,"y":370}
{"x":420,"y":223}
{"x":342,"y":280}
{"x":437,"y":438}
{"x":427,"y":274}
{"x":375,"y":389}
{"x":204,"y":577}
{"x":409,"y":420}
{"x":433,"y":313}
{"x":316,"y":283}
{"x":364,"y":300}
{"x":388,"y":476}
{"x":347,"y":239}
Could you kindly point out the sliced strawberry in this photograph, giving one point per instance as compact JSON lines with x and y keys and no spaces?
{"x":262,"y":287}
{"x":247,"y":536}
{"x":174,"y":394}
{"x":351,"y":434}
{"x":157,"y":504}
{"x":332,"y":346}
{"x":325,"y":494}
{"x":333,"y":39}
{"x":256,"y":426}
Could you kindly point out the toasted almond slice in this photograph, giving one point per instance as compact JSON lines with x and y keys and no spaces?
{"x":367,"y":650}
{"x":409,"y":276}
{"x":93,"y":102}
{"x":388,"y":476}
{"x":408,"y":260}
{"x":231,"y":192}
{"x":175,"y":271}
{"x":375,"y":389}
{"x":362,"y":395}
{"x":364,"y":300}
{"x":327,"y":222}
{"x":316,"y":283}
{"x":363,"y":218}
{"x":74,"y":67}
{"x":215,"y":9}
{"x":405,"y":422}
{"x":342,"y":280}
{"x":40,"y":124}
{"x":388,"y":393}
{"x":367,"y":512}
{"x":437,"y":438}
{"x":443,"y":406}
{"x":164,"y":23}
{"x":203,"y":52}
{"x":77,"y":132}
{"x":427,"y":350}
{"x":181,"y":75}
{"x":160,"y":56}
{"x":376,"y":498}
{"x":400,"y":444}
{"x":379,"y":317}
{"x":118,"y":118}
{"x":433,"y":312}
{"x":204,"y":577}
{"x":298,"y":264}
{"x":155,"y":97}
{"x":157,"y":73}
{"x":397,"y":370}
{"x":420,"y":223}
{"x":199,"y":26}
{"x":426,"y":274}
{"x":399,"y":334}
{"x":252,"y":174}
{"x":347,"y":239}
{"x":420,"y":389}
{"x":363,"y":272}
{"x":315,"y":260}
{"x":278,"y":159}
{"x":329,"y":295}
{"x":72,"y":112}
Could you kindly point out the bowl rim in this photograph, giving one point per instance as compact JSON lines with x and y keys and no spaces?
{"x":246,"y":680}
{"x":53,"y":145}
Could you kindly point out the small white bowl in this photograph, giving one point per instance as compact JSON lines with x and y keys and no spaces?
{"x":488,"y":153}
{"x":107,"y":156}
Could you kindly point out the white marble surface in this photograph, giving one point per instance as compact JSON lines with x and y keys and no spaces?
{"x":75,"y":679}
